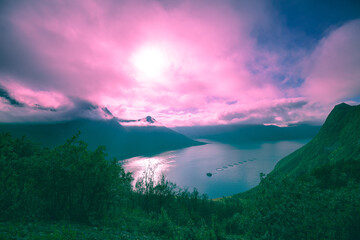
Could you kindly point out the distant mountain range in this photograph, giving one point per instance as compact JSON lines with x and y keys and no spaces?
{"x":120,"y":141}
{"x":239,"y":133}
{"x":124,"y":138}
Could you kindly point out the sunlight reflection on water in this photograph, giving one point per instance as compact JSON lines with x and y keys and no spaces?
{"x":233,"y":168}
{"x":156,"y":166}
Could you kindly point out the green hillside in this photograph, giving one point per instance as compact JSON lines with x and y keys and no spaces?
{"x":314,"y":193}
{"x":338,"y":139}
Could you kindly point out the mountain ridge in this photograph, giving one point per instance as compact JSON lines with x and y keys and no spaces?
{"x":313,"y":193}
{"x":238,"y":133}
{"x":338,"y":138}
{"x":120,"y":141}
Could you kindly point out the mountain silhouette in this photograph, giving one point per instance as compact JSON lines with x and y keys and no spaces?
{"x":120,"y":141}
{"x":241,"y":133}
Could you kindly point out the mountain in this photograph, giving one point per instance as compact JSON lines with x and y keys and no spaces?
{"x":239,"y":133}
{"x":338,"y":139}
{"x":149,"y":119}
{"x":120,"y":141}
{"x":312,"y":193}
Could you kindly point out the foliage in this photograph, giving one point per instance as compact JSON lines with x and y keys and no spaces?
{"x":67,"y":182}
{"x":65,"y":231}
{"x":338,"y":139}
{"x":73,"y":184}
{"x":321,"y":205}
{"x":313,"y":193}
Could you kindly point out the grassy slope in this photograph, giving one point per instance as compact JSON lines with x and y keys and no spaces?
{"x":338,"y":139}
{"x":314,"y":192}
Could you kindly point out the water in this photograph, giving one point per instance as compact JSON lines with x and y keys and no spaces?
{"x":234,"y":168}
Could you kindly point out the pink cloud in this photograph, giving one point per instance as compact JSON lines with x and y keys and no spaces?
{"x":333,"y":72}
{"x":88,"y":46}
{"x":207,"y":51}
{"x":33,"y":98}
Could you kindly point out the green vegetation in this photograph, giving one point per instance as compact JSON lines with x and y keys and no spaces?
{"x":68,"y":185}
{"x":314,"y":193}
{"x":322,"y":205}
{"x":338,"y":139}
{"x":70,"y":192}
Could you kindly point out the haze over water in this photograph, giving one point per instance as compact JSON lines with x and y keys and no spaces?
{"x":234,"y":168}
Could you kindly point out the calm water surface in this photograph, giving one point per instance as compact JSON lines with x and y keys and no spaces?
{"x":234,"y":168}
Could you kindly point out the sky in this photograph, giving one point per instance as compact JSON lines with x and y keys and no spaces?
{"x":183,"y":62}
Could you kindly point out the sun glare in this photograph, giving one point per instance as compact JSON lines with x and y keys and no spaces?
{"x":150,"y":62}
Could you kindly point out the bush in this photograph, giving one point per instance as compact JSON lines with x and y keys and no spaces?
{"x":68,"y":182}
{"x":17,"y":176}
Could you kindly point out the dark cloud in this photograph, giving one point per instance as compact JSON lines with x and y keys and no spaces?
{"x":235,"y":115}
{"x":37,"y":106}
{"x":295,"y":105}
{"x":12,"y":101}
{"x":281,"y":113}
{"x":284,"y":108}
{"x":231,"y":102}
{"x":17,"y":58}
{"x":78,"y":108}
{"x":107,"y":111}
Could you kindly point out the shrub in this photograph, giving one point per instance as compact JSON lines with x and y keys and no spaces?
{"x":67,"y":182}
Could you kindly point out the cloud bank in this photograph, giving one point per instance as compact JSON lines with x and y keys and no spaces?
{"x":218,"y":65}
{"x":333,"y":73}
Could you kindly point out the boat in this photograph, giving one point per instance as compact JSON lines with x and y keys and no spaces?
{"x":209,"y":174}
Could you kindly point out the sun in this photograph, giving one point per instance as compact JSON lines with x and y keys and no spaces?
{"x":150,"y":62}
